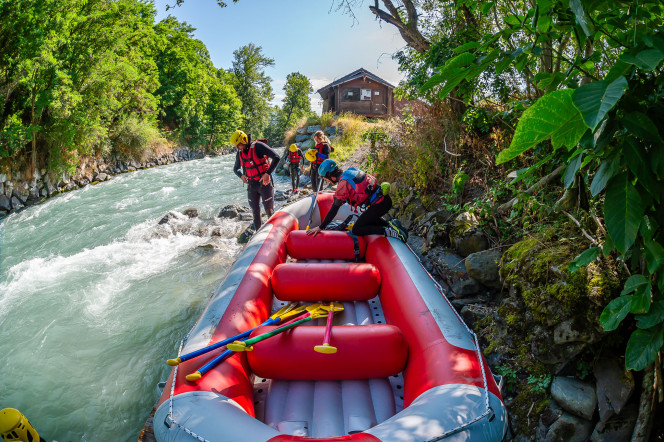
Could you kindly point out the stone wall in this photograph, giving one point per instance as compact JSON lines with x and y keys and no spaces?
{"x":304,"y":136}
{"x":18,"y":191}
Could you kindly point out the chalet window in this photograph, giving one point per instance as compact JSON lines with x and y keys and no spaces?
{"x":350,"y":94}
{"x":365,"y":94}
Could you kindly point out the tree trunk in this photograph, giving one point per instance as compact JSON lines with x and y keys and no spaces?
{"x":34,"y":135}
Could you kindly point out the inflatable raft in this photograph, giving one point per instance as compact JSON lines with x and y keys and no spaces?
{"x":406,"y":368}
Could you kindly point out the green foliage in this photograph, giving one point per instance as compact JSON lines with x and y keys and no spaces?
{"x":253,"y":87}
{"x":13,"y":137}
{"x":539,"y":384}
{"x":71,"y":78}
{"x":458,"y":181}
{"x":295,"y":107}
{"x":196,"y":100}
{"x":509,"y":376}
{"x":596,"y":68}
{"x":476,"y":119}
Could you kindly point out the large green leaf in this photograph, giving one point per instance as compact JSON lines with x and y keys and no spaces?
{"x":581,"y":19}
{"x":584,"y":259}
{"x":452,"y":68}
{"x":641,"y":299}
{"x":623,"y":211}
{"x":646,"y":60}
{"x":619,"y":69}
{"x":653,"y":317}
{"x":638,"y":160}
{"x":606,"y":171}
{"x":615,"y":312}
{"x":642,"y":348}
{"x":633,"y":283}
{"x":642,"y":126}
{"x":595,"y":99}
{"x":572,"y":169}
{"x":553,"y":115}
{"x":654,"y":256}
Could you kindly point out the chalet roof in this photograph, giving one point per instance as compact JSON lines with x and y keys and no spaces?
{"x":352,"y":76}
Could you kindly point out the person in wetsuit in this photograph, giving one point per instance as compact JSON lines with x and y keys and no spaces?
{"x":360,"y":190}
{"x":254,"y":164}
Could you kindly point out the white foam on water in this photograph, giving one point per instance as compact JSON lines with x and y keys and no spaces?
{"x":125,"y":203}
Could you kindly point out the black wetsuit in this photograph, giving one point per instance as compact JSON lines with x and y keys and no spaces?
{"x":255,"y":190}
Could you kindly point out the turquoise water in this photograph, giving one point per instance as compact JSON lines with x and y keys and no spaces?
{"x":95,"y":295}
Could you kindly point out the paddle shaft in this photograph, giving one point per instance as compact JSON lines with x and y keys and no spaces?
{"x":221,"y":357}
{"x":313,"y":206}
{"x":328,"y":328}
{"x":226,"y":341}
{"x":283,"y":328}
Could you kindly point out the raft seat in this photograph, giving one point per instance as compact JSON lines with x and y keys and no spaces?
{"x":338,"y":281}
{"x":328,"y":244}
{"x":363,"y":352}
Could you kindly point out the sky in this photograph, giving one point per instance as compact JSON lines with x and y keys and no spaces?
{"x":307,"y":36}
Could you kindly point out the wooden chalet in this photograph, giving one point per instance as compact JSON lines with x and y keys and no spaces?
{"x":359,"y":92}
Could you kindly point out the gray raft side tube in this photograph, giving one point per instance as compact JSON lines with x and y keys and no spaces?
{"x":212,"y":417}
{"x":441,"y":409}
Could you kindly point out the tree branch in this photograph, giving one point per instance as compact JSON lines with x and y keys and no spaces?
{"x":409,"y":31}
{"x":544,"y":181}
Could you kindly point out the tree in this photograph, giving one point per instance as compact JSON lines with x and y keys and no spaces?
{"x":68,"y":80}
{"x":296,"y":104}
{"x":253,"y":86}
{"x":223,"y":109}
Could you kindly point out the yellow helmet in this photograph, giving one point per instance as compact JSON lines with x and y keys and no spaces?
{"x":239,"y":137}
{"x":293,"y":148}
{"x":311,"y":155}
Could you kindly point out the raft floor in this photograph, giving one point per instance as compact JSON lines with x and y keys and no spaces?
{"x":330,"y":408}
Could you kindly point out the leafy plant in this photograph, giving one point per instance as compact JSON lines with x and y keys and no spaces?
{"x":460,"y":179}
{"x":600,"y":89}
{"x":509,"y":376}
{"x":539,"y":384}
{"x":477,"y":120}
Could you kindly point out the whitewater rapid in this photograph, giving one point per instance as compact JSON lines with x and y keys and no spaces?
{"x":95,"y":295}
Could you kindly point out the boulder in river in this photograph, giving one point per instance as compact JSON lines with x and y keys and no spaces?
{"x":235,"y":211}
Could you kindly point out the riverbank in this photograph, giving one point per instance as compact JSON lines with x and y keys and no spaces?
{"x":20,"y":190}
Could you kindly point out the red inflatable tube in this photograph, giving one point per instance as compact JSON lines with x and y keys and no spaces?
{"x":338,"y":281}
{"x":363,"y":352}
{"x":330,"y":244}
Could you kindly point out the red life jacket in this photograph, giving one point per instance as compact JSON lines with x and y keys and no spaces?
{"x":294,"y":157}
{"x":253,"y":166}
{"x":320,"y":156}
{"x":363,"y":188}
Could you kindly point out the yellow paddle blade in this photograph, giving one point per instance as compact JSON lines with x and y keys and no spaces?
{"x":283,"y":310}
{"x":194,"y":376}
{"x":333,"y":306}
{"x":294,"y":312}
{"x":237,"y":346}
{"x":317,"y":315}
{"x":173,"y":362}
{"x":325,"y":348}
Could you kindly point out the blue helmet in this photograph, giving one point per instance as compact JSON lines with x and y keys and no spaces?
{"x":327,"y":167}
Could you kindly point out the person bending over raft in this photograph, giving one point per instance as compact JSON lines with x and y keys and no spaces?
{"x":323,"y":150}
{"x":254,"y":164}
{"x":359,"y":189}
{"x":295,"y":156}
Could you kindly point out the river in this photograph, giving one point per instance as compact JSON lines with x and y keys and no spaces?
{"x":95,"y":295}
